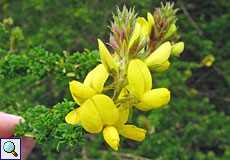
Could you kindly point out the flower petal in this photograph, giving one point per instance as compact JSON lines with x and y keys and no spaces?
{"x":96,"y":78}
{"x":139,"y":78}
{"x":160,"y":55}
{"x":90,"y":118}
{"x":80,"y":92}
{"x":106,"y":58}
{"x":150,"y":21}
{"x":162,"y":68}
{"x":111,"y":136}
{"x":106,"y":109}
{"x":143,"y":107}
{"x":144,"y":26}
{"x":136,"y":34}
{"x":156,"y":97}
{"x":73,"y":117}
{"x":132,"y":132}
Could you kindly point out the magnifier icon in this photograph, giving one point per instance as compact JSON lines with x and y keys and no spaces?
{"x":9,"y":147}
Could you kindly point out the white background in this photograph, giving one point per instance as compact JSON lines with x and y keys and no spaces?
{"x":5,"y":155}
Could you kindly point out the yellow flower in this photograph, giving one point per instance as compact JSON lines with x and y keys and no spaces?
{"x":159,"y":56}
{"x":96,"y":114}
{"x":106,"y":58}
{"x":140,"y":84}
{"x":177,"y":48}
{"x":99,"y":113}
{"x":92,"y":85}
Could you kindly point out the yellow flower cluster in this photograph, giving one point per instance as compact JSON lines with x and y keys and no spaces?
{"x":132,"y":86}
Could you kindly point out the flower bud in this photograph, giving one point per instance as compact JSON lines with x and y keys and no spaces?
{"x":106,"y":58}
{"x":111,"y":136}
{"x":159,"y":56}
{"x":170,"y":31}
{"x":177,"y":48}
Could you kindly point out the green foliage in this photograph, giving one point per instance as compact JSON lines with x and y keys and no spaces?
{"x":41,"y":50}
{"x":44,"y":125}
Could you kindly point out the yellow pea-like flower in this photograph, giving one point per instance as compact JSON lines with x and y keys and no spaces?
{"x":111,"y":136}
{"x":160,"y":55}
{"x":163,"y":68}
{"x":140,"y":83}
{"x":150,"y":22}
{"x":178,"y":48}
{"x":92,"y":85}
{"x":106,"y":58}
{"x":96,"y":114}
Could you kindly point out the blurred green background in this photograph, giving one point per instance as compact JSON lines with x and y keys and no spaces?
{"x":45,"y":44}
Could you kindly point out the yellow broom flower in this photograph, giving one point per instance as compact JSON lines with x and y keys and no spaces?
{"x":140,"y":84}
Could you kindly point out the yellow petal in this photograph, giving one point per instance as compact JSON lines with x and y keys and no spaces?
{"x":136,"y":34}
{"x":160,"y":55}
{"x":132,"y":132}
{"x":123,"y":109}
{"x":143,"y":107}
{"x":106,"y":109}
{"x":163,"y":68}
{"x":139,"y":78}
{"x":73,"y":117}
{"x":150,"y":21}
{"x":178,"y":48}
{"x":123,"y":115}
{"x":80,"y":92}
{"x":144,"y":26}
{"x":156,"y":97}
{"x":111,"y":136}
{"x":90,"y":118}
{"x":96,"y":78}
{"x":106,"y":58}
